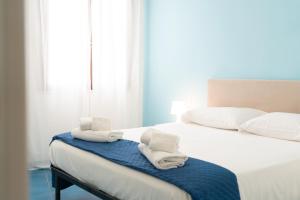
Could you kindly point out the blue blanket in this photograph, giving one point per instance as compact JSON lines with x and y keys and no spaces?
{"x":201,"y":179}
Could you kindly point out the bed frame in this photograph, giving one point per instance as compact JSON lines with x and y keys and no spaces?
{"x":267,"y":95}
{"x":62,"y":180}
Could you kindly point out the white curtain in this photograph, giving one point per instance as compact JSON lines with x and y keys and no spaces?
{"x":58,"y":67}
{"x":116,"y":26}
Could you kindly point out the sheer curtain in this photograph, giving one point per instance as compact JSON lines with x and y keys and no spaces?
{"x":58,"y":67}
{"x":117,"y":61}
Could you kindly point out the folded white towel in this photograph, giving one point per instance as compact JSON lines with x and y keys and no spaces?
{"x":159,"y":141}
{"x":100,"y":124}
{"x":163,"y":160}
{"x":97,"y":136}
{"x":86,"y":123}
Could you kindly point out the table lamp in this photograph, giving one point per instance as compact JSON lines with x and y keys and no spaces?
{"x":178,"y":108}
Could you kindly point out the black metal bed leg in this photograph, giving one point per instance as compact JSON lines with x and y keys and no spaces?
{"x":57,"y":194}
{"x":57,"y":187}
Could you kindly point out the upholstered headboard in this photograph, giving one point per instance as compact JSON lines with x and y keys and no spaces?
{"x":267,"y":95}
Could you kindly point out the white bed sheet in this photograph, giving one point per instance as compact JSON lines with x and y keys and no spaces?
{"x":266,"y":168}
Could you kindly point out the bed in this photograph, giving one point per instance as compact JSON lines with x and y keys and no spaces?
{"x":266,"y":168}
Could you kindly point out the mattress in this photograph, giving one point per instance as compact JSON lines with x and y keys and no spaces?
{"x":266,"y":168}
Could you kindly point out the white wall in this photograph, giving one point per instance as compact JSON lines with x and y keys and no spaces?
{"x":13,"y":179}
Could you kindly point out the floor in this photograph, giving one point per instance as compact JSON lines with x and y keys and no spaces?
{"x":40,"y":188}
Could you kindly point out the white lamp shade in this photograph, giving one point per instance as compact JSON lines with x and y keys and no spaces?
{"x":178,"y":108}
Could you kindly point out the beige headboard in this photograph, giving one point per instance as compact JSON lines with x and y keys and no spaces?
{"x":267,"y":95}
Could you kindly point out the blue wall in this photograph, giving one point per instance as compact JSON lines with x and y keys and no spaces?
{"x":189,"y":41}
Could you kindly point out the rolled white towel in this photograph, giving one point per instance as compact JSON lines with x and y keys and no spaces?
{"x":86,"y":123}
{"x":164,"y":142}
{"x":100,"y":124}
{"x":163,"y":160}
{"x":146,"y":136}
{"x":97,"y":136}
{"x":160,"y":141}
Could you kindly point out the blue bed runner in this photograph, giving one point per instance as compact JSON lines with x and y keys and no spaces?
{"x":201,"y":179}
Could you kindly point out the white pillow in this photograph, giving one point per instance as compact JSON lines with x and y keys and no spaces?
{"x":277,"y":125}
{"x":221,"y":117}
